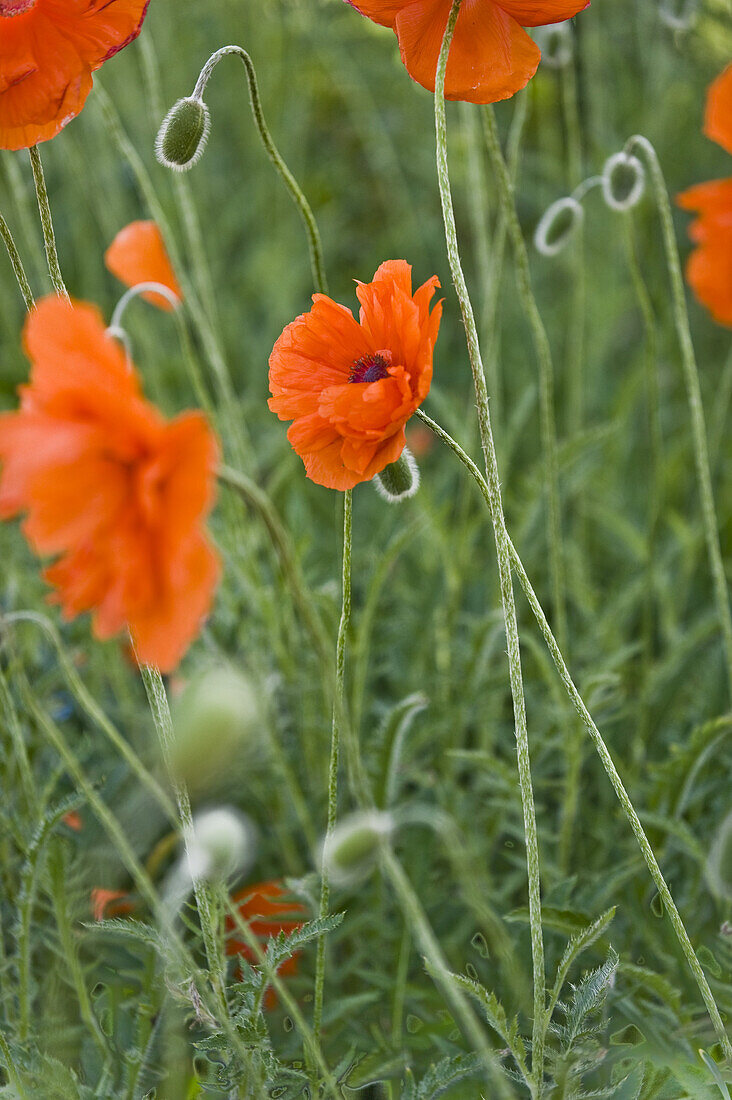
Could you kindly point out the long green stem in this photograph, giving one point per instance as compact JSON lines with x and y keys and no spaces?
{"x":504,"y":562}
{"x":49,"y":237}
{"x":693,"y":393}
{"x":546,"y":370}
{"x":311,"y":227}
{"x":338,"y":705}
{"x":17,"y":264}
{"x":602,"y":750}
{"x":158,"y":700}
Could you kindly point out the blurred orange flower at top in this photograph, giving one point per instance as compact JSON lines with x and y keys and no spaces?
{"x":138,"y":255}
{"x":350,"y":386}
{"x":109,"y":486}
{"x":48,"y":52}
{"x":267,"y":911}
{"x":491,"y":56}
{"x":709,"y":270}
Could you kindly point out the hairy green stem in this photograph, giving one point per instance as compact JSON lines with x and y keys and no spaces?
{"x":694,"y":398}
{"x":11,"y":1070}
{"x":546,"y":370}
{"x":311,"y":227}
{"x":338,"y":707}
{"x":49,"y":237}
{"x":504,"y":563}
{"x":207,"y":910}
{"x":602,"y":751}
{"x":17,"y":264}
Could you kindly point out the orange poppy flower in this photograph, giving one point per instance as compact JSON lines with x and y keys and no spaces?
{"x":118,"y":492}
{"x":48,"y":52}
{"x":138,"y":255}
{"x":262,"y":907}
{"x":491,"y":56}
{"x":350,"y":386}
{"x":109,"y":903}
{"x":709,"y":270}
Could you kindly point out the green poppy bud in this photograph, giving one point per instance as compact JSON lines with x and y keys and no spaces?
{"x":351,"y":852}
{"x":399,"y":480}
{"x":183,"y":134}
{"x":216,"y":729}
{"x":221,"y":844}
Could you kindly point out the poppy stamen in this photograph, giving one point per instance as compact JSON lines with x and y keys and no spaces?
{"x":369,"y":368}
{"x":15,"y":7}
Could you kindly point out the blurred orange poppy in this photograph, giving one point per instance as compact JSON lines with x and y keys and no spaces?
{"x":350,"y":386}
{"x":138,"y":255}
{"x":111,"y":486}
{"x":109,"y":903}
{"x":709,"y":270}
{"x":48,"y":52}
{"x":264,"y":907}
{"x":491,"y":56}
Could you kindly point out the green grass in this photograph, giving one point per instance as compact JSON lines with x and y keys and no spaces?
{"x":108,"y":1013}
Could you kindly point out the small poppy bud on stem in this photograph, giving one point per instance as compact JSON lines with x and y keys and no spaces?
{"x":220,"y":844}
{"x":557,"y":226}
{"x":556,"y":45}
{"x":351,"y":852}
{"x":183,"y":134}
{"x":623,"y":181}
{"x":399,"y":480}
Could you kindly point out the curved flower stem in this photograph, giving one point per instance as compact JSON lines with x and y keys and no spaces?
{"x":504,"y":562}
{"x":49,"y":237}
{"x":693,"y":393}
{"x":15,"y":260}
{"x":338,"y":706}
{"x":316,"y":249}
{"x":546,"y":370}
{"x":602,"y":750}
{"x":460,"y":1006}
{"x":158,"y":700}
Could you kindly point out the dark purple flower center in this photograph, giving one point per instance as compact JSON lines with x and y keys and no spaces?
{"x":369,"y":368}
{"x":15,"y":7}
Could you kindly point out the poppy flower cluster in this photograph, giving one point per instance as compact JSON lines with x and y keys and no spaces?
{"x":491,"y":56}
{"x":709,"y":271}
{"x":350,"y":386}
{"x":265,"y":907}
{"x":109,"y":487}
{"x":48,"y":52}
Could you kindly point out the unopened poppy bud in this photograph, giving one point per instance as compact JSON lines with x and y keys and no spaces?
{"x":216,"y":726}
{"x":679,"y":15}
{"x":183,"y":134}
{"x":399,"y":480}
{"x":623,"y":181}
{"x":555,"y":43}
{"x":221,"y":843}
{"x":351,"y":852}
{"x":557,"y":226}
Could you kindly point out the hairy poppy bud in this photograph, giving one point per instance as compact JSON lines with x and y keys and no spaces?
{"x":679,"y":15}
{"x":216,"y":723}
{"x":399,"y":480}
{"x":351,"y":851}
{"x":555,"y":43}
{"x":623,"y":181}
{"x":221,"y":844}
{"x":557,"y":226}
{"x":183,"y":134}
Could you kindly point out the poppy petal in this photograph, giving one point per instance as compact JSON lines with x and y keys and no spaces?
{"x":718,"y":118}
{"x":539,"y":13}
{"x":491,"y":57}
